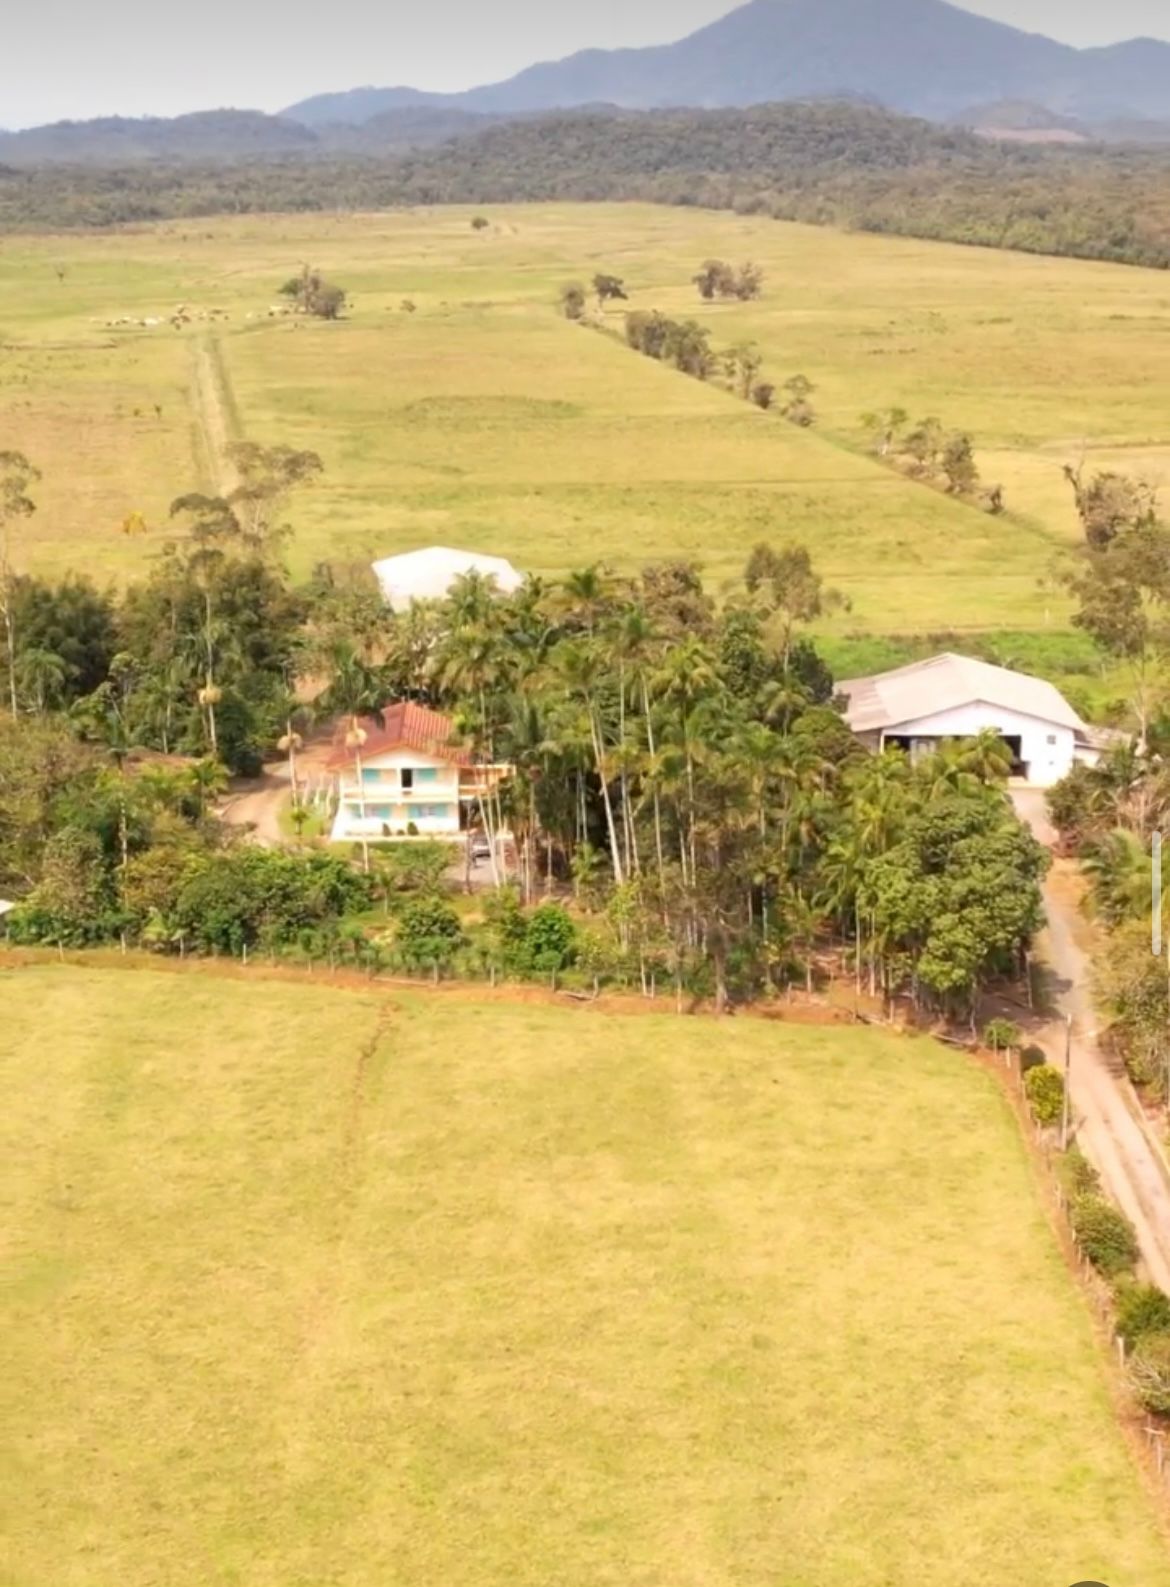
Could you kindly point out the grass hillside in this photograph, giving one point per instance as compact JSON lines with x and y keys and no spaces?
{"x":484,"y":419}
{"x":318,"y":1287}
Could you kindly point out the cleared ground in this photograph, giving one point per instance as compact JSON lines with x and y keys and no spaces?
{"x":483,"y":419}
{"x":318,"y":1288}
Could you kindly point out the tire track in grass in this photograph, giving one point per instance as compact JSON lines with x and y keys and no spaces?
{"x":215,"y":411}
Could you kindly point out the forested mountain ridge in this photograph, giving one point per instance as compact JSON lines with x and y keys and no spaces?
{"x":828,"y":164}
{"x":232,"y":136}
{"x":125,"y":140}
{"x":924,"y":57}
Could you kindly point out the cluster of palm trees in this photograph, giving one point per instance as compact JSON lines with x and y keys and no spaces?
{"x":683,"y":769}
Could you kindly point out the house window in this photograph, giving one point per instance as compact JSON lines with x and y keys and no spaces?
{"x":426,"y":774}
{"x":1052,"y":738}
{"x":407,"y":779}
{"x":371,"y":774}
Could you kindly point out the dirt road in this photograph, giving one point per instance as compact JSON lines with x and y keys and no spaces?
{"x":206,"y":375}
{"x":1111,"y":1129}
{"x":256,"y":803}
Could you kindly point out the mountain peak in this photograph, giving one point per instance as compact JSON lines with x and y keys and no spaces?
{"x":925,"y":57}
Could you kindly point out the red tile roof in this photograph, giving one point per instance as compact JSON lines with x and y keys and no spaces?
{"x":404,"y":726}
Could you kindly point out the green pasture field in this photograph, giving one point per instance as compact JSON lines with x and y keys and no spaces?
{"x":483,"y":419}
{"x":314,"y":1287}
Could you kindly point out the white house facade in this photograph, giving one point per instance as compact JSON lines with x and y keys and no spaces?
{"x":406,"y":780}
{"x":919,"y":707}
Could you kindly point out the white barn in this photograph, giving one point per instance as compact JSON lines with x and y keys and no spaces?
{"x":916,"y":708}
{"x":427,"y":575}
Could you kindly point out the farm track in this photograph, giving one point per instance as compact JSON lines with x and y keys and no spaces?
{"x":212,"y":406}
{"x":1110,"y":1125}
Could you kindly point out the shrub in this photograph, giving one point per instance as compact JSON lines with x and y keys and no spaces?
{"x":506,"y":927}
{"x":1142,"y":1310}
{"x":1105,"y":1235}
{"x":1032,"y":1058}
{"x":1077,"y":1174}
{"x":1001,"y":1035}
{"x":1045,"y":1092}
{"x":429,"y":933}
{"x":230,"y":900}
{"x":1149,"y":1373}
{"x":550,"y":939}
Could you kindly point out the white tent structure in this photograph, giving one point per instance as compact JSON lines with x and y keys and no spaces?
{"x":428,"y":575}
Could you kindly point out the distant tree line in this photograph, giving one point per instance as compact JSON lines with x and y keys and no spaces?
{"x":826,"y":164}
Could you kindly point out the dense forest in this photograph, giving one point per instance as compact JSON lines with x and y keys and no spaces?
{"x":828,"y":164}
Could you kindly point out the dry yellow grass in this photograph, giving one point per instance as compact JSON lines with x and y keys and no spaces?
{"x":315,"y":1288}
{"x":484,"y":419}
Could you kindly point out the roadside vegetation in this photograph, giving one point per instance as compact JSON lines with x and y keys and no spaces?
{"x":1112,"y":814}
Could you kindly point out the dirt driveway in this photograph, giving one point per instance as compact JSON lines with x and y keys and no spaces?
{"x":1111,"y":1128}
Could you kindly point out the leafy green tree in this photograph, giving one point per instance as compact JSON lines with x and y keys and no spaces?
{"x":741,"y":366}
{"x":609,"y":289}
{"x":1121,"y":581}
{"x":550,"y":939}
{"x":715,"y":278}
{"x":429,"y":933}
{"x":958,"y":464}
{"x":314,"y":295}
{"x":798,"y":408}
{"x":268,"y":477}
{"x":72,"y":900}
{"x":884,"y":428}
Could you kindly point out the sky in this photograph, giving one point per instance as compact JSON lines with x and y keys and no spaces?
{"x":67,"y":59}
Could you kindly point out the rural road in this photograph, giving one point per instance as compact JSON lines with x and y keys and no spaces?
{"x":1110,"y":1127}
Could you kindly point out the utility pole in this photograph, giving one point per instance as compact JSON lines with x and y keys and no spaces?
{"x":1066,"y":1112}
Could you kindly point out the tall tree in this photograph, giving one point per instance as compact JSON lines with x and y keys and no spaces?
{"x":17,"y":476}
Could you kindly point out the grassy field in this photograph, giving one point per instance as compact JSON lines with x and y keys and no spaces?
{"x":484,"y":420}
{"x":316,"y":1288}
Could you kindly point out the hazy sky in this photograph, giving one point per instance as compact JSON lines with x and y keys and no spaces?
{"x":66,"y":58}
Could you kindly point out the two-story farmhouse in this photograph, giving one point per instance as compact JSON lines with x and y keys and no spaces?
{"x":407,"y":779}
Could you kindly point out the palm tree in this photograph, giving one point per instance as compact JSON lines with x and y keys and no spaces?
{"x":1120,"y":869}
{"x":586,"y":596}
{"x":41,"y":675}
{"x":16,"y":476}
{"x":581,"y":667}
{"x":208,"y":781}
{"x":689,"y":678}
{"x":355,"y":691}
